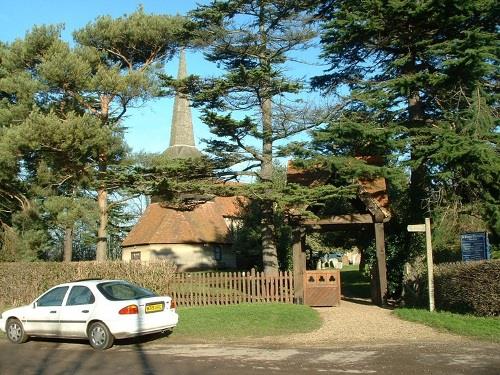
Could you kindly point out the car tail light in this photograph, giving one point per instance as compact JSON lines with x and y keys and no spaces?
{"x":130,"y":309}
{"x":173,"y":304}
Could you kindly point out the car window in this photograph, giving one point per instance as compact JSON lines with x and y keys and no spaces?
{"x":121,"y":291}
{"x":80,"y":295}
{"x":53,"y":297}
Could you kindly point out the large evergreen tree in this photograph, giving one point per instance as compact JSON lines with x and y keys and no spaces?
{"x":124,"y":56}
{"x":18,"y":98}
{"x":425,"y":71}
{"x":62,"y":108}
{"x":249,"y":108}
{"x":50,"y":144}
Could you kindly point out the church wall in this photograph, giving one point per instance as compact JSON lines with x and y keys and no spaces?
{"x":188,"y":257}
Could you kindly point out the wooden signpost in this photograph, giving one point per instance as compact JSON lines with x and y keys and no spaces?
{"x":430,"y":266}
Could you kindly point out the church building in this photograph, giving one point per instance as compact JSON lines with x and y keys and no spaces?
{"x":198,"y":239}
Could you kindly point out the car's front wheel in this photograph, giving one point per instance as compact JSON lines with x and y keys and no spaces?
{"x":15,"y":331}
{"x":99,"y":336}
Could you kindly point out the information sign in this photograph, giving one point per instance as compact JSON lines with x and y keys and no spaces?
{"x":475,"y":246}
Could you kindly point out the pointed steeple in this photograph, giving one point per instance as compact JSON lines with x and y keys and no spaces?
{"x":181,"y":133}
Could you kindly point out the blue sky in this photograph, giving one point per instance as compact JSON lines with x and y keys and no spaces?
{"x":148,"y":127}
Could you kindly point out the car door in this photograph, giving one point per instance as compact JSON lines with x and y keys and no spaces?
{"x":43,"y":318}
{"x":76,"y":311}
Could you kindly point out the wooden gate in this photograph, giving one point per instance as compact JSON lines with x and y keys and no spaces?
{"x":322,"y":288}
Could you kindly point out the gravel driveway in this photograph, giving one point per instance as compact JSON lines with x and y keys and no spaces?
{"x":360,"y":322}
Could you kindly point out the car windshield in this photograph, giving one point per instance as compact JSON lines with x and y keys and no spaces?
{"x":122,"y":291}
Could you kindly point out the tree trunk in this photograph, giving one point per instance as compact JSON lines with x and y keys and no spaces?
{"x":299,"y":262}
{"x":102,"y":193}
{"x":418,"y":173}
{"x":269,"y":251}
{"x":68,"y":244}
{"x":102,"y":232}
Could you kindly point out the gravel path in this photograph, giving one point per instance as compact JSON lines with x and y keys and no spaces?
{"x":362,"y":323}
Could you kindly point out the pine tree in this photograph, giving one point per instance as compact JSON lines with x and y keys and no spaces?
{"x":63,"y":106}
{"x":123,"y":55}
{"x":18,"y":98}
{"x":424,"y":72}
{"x":249,"y":108}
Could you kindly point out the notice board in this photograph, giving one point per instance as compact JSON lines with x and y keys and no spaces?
{"x":475,"y":246}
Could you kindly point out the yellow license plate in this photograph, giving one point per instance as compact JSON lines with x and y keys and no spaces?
{"x":154,"y":307}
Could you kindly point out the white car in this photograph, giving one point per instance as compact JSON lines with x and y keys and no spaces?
{"x":100,"y":310}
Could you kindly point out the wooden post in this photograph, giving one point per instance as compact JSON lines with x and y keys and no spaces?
{"x":381,"y":264}
{"x":299,"y":265}
{"x":252,"y":285}
{"x":430,"y":264}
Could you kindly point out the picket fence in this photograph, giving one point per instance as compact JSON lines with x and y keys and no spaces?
{"x":225,"y":288}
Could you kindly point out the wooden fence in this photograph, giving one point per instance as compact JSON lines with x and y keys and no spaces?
{"x":225,"y":288}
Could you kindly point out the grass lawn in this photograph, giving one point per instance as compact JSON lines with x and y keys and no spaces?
{"x":244,"y":320}
{"x":487,"y":329}
{"x":213,"y":323}
{"x":354,"y":283}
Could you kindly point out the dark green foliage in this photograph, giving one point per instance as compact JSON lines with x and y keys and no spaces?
{"x":18,"y":98}
{"x":160,"y":175}
{"x":129,"y":40}
{"x":396,"y":258}
{"x":416,"y":69}
{"x":355,"y":283}
{"x":248,"y":239}
{"x":417,"y":83}
{"x":401,"y":46}
{"x":417,"y":80}
{"x":466,"y":166}
{"x":464,"y":287}
{"x":125,"y":56}
{"x":61,"y":111}
{"x":250,"y":106}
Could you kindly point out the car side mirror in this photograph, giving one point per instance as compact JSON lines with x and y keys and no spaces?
{"x":34,"y":305}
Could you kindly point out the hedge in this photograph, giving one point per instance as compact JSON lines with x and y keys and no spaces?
{"x":22,"y":282}
{"x":462,"y":287}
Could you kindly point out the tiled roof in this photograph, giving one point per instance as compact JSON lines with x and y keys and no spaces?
{"x":375,"y":189}
{"x":307,"y":177}
{"x":204,"y":224}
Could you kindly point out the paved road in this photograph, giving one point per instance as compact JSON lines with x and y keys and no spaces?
{"x":161,"y":357}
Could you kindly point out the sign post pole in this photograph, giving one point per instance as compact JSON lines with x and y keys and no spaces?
{"x":430,"y":265}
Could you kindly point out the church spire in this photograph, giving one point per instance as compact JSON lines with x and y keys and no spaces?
{"x":181,"y":133}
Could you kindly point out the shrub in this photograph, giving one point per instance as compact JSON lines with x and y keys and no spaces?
{"x":22,"y":282}
{"x":463,"y":287}
{"x":471,"y":287}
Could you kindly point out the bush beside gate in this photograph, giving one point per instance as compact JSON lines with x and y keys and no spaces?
{"x":463,"y":287}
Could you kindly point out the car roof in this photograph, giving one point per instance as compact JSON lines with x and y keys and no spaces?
{"x":89,"y":282}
